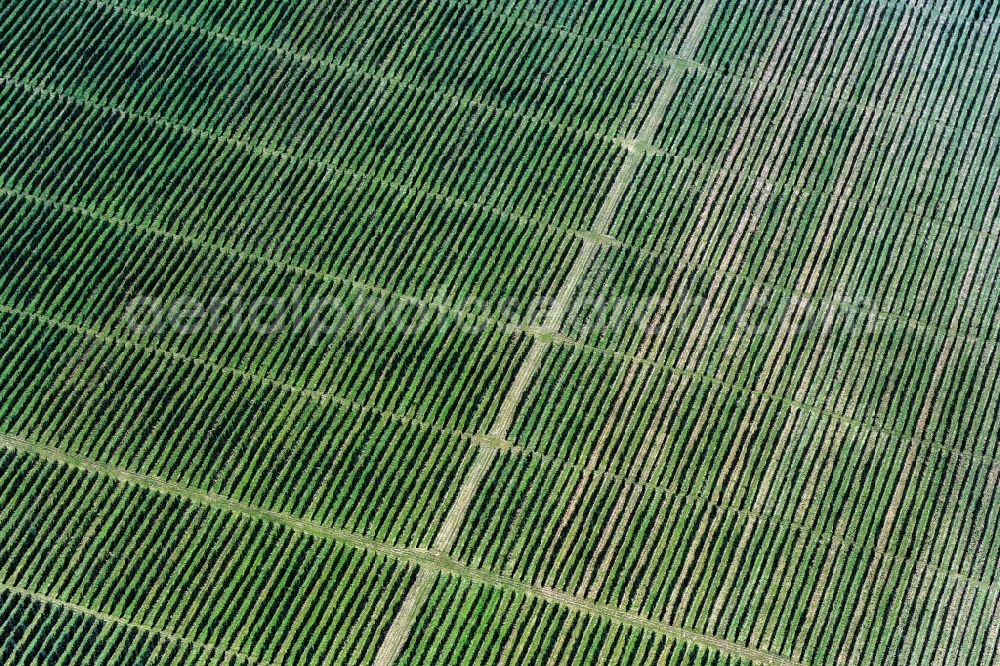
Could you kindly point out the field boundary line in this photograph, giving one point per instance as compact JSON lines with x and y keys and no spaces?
{"x":496,"y":444}
{"x":614,"y":139}
{"x":114,"y":619}
{"x":277,"y":152}
{"x":666,"y":87}
{"x":513,"y":326}
{"x":399,"y":631}
{"x":487,"y":440}
{"x":428,"y":559}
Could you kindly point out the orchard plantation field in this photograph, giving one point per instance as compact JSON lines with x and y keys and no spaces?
{"x":468,"y":332}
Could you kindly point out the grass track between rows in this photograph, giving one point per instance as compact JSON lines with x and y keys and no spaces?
{"x":492,"y":443}
{"x":106,"y":617}
{"x":425,"y":559}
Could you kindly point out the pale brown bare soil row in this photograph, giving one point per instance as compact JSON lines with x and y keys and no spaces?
{"x":656,"y":332}
{"x":910,"y":459}
{"x":694,"y":563}
{"x":847,"y":402}
{"x":876,"y":573}
{"x":874,"y":569}
{"x":763,"y":189}
{"x":646,"y":135}
{"x":734,"y":252}
{"x":959,"y":613}
{"x":832,"y":435}
{"x":778,"y":356}
{"x":729,"y":257}
{"x":817,"y":471}
{"x":807,"y":283}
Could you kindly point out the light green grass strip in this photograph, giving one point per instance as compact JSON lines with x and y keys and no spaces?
{"x":105,"y":617}
{"x":666,"y":87}
{"x":432,"y":562}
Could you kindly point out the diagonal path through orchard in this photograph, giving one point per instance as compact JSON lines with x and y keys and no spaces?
{"x":532,"y":362}
{"x":667,"y":87}
{"x":484,"y":442}
{"x":161,"y":634}
{"x":432,"y":562}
